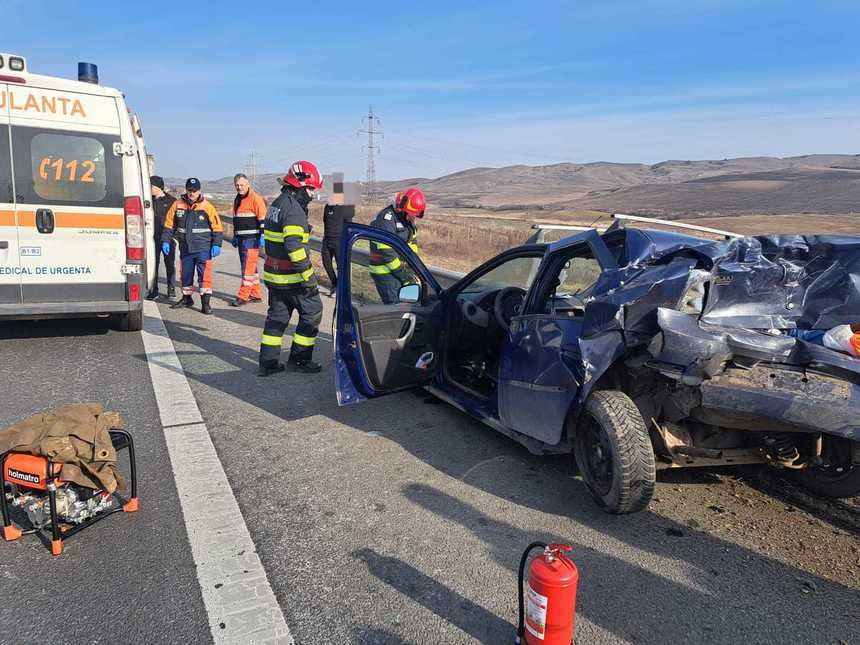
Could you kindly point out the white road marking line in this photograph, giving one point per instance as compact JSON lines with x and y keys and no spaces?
{"x":223,"y":551}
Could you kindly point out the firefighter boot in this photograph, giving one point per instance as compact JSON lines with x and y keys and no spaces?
{"x":206,"y":308}
{"x":267,"y":369}
{"x":184,"y":301}
{"x":306,"y":366}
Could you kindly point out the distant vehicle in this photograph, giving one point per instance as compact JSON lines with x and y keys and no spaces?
{"x":633,"y":349}
{"x":75,"y":207}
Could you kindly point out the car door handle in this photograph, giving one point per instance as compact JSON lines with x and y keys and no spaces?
{"x":410,"y":329}
{"x":4,"y":244}
{"x":45,"y":220}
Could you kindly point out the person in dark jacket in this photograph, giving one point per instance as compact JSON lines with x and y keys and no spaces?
{"x":334,"y":217}
{"x":288,"y":274}
{"x":387,"y":270}
{"x":161,"y":202}
{"x":195,"y":222}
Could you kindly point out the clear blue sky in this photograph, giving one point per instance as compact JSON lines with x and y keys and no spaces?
{"x":460,"y":84}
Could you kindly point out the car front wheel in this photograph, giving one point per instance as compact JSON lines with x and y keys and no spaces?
{"x":614,"y":454}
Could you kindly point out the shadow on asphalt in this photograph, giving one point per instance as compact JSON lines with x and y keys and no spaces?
{"x":54,"y":327}
{"x":458,"y":610}
{"x":736,"y":590}
{"x":611,"y":587}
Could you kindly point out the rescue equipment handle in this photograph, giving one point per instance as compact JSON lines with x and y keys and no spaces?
{"x":521,"y":628}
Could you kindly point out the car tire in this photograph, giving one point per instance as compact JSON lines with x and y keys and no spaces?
{"x":614,"y":453}
{"x":132,"y":321}
{"x":826,"y":482}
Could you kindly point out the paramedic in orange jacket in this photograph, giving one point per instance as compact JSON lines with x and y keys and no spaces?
{"x":249,"y":214}
{"x":194,"y":222}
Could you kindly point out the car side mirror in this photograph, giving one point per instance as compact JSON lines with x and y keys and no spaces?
{"x":410,"y":293}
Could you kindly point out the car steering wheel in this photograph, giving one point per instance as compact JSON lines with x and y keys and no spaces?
{"x":507,"y":304}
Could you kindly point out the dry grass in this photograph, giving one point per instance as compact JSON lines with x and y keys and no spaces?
{"x":462,"y":238}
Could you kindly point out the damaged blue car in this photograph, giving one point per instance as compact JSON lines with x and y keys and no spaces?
{"x":631,"y":349}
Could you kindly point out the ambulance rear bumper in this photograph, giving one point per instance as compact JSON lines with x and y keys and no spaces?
{"x":17,"y":311}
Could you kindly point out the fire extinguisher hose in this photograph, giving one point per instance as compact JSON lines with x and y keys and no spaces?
{"x":521,"y":628}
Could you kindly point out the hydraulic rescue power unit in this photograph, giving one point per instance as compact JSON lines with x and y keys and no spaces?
{"x":32,"y":483}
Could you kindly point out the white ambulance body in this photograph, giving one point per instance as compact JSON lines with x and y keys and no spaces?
{"x":76,"y":218}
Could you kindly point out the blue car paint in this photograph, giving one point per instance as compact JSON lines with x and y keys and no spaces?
{"x":351,"y":380}
{"x":538,"y":379}
{"x":622,"y":313}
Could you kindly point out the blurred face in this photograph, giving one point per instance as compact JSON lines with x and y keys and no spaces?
{"x":193,"y":195}
{"x":310,"y":191}
{"x":156,"y":191}
{"x":242,"y":186}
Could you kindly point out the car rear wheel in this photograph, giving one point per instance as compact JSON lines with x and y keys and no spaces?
{"x":614,"y":454}
{"x":831,"y":482}
{"x":132,"y":321}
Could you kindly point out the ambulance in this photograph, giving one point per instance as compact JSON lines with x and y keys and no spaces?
{"x":76,"y":217}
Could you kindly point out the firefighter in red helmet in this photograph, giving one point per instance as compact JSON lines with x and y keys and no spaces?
{"x":288,"y":273}
{"x":400,"y":218}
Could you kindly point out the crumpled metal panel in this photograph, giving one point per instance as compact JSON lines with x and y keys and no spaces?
{"x":783,"y":282}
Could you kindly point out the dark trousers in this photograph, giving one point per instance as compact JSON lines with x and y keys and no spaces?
{"x":329,"y":253}
{"x":282,"y":303}
{"x":388,"y":287}
{"x":169,"y":263}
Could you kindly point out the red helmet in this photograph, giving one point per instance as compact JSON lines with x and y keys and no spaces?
{"x":410,"y":201}
{"x":303,"y":174}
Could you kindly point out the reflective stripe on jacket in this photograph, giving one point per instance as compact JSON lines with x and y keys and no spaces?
{"x":196,"y":225}
{"x":383,"y":258}
{"x":249,"y":213}
{"x":286,"y":233}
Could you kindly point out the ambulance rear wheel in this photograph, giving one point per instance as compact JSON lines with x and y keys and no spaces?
{"x":132,"y":321}
{"x":614,"y":454}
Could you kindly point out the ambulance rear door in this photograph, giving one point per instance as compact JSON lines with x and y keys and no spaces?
{"x":10,"y":267}
{"x":67,"y":162}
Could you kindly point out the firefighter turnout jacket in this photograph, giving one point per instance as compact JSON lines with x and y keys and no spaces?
{"x":288,"y":264}
{"x":195,"y":225}
{"x":384,"y":260}
{"x":249,"y":213}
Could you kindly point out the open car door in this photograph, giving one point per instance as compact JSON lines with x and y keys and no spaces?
{"x":388,"y":320}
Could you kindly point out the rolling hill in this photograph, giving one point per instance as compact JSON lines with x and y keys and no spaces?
{"x":811,"y":183}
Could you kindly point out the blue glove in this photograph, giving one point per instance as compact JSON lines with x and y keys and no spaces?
{"x":165,"y":248}
{"x":216,"y":251}
{"x":235,"y":241}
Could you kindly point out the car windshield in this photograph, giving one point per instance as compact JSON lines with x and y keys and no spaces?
{"x":516,"y":272}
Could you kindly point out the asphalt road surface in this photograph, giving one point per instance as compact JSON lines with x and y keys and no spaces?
{"x":399,"y":520}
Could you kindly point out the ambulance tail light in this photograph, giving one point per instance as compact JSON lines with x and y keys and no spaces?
{"x":135,"y":244}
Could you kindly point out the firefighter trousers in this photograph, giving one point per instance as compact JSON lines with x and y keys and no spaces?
{"x":249,"y":254}
{"x":388,"y":287}
{"x":201,"y":264}
{"x":282,"y":303}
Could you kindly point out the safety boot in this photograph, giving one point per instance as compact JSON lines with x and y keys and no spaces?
{"x":184,"y":301}
{"x":238,"y":302}
{"x":152,"y":294}
{"x":267,"y":369}
{"x":206,"y":308}
{"x":306,"y":366}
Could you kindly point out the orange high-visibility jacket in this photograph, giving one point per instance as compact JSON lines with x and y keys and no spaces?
{"x":196,"y":225}
{"x":249,"y":213}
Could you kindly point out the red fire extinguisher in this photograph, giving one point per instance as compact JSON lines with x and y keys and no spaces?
{"x":550,"y":597}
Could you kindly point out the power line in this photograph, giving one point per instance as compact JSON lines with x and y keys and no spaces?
{"x":370,"y":124}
